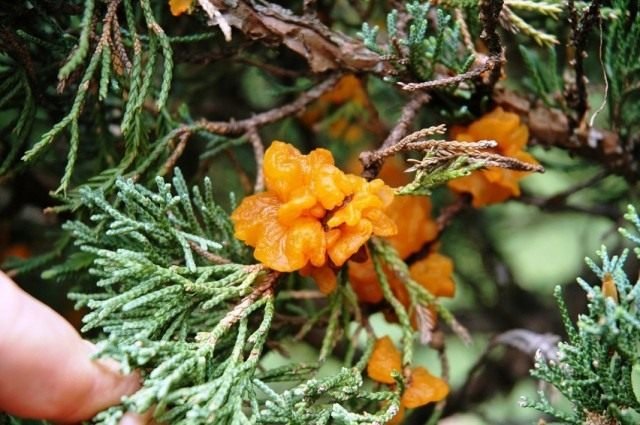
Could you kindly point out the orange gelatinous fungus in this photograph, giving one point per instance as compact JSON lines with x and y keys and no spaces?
{"x":348,"y":126}
{"x":434,"y":274}
{"x":423,"y":388}
{"x":348,"y":88}
{"x":494,"y":185}
{"x":609,"y":288}
{"x":312,"y":216}
{"x":385,"y":359}
{"x":178,"y":7}
{"x":412,"y":214}
{"x":415,"y":227}
{"x":324,"y":277}
{"x":364,"y":282}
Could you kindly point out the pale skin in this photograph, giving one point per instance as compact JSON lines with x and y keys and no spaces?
{"x":46,"y":370}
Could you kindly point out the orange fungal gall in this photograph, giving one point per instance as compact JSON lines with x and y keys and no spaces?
{"x":421,"y":386}
{"x":313,"y":217}
{"x":385,"y":359}
{"x":494,"y":185}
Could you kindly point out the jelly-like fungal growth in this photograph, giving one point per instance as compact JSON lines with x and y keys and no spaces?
{"x":178,"y":7}
{"x":493,"y":185}
{"x":416,"y":227}
{"x":384,"y":360}
{"x":421,"y":386}
{"x":313,"y":217}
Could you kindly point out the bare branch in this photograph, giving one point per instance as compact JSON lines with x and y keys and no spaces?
{"x":236,"y":128}
{"x":258,"y":152}
{"x":489,"y":64}
{"x":175,"y":155}
{"x":372,"y":160}
{"x":489,"y":16}
{"x":213,"y":258}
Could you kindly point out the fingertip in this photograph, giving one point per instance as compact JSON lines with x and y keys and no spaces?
{"x":108,"y":387}
{"x":131,"y":418}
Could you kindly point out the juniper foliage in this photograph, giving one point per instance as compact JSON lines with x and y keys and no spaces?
{"x":597,"y":367}
{"x":175,"y":300}
{"x":168,"y":289}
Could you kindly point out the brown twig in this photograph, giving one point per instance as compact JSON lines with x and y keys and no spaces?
{"x":464,"y":30}
{"x":448,"y":213}
{"x":450,"y":150}
{"x":577,"y":96}
{"x":236,"y":128}
{"x":250,"y":126}
{"x":372,"y":160}
{"x":489,"y":64}
{"x":323,"y":49}
{"x":446,"y":151}
{"x":117,"y":46}
{"x":265,"y":288}
{"x":489,"y":17}
{"x":258,"y":153}
{"x":212,"y":258}
{"x":270,"y":68}
{"x":175,"y":155}
{"x":551,"y":127}
{"x":302,"y":294}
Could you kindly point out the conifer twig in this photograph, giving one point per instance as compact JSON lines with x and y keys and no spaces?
{"x":489,"y":17}
{"x":372,"y":160}
{"x":209,"y":256}
{"x":580,"y":27}
{"x":175,"y":155}
{"x":238,"y":312}
{"x":488,"y":65}
{"x":238,"y":128}
{"x":243,"y":126}
{"x":258,"y":152}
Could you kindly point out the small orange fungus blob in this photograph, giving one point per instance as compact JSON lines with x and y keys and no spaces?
{"x":349,"y":126}
{"x":178,"y":7}
{"x":609,"y":287}
{"x":422,"y":387}
{"x":494,"y":185}
{"x":313,"y":217}
{"x":385,"y":359}
{"x":434,"y":274}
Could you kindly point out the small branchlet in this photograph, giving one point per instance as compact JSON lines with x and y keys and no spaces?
{"x":419,"y":296}
{"x":177,"y":304}
{"x":418,"y":52}
{"x":597,"y":367}
{"x":444,"y":159}
{"x":515,"y":24}
{"x":138,"y":82}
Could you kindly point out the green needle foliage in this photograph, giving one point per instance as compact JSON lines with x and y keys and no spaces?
{"x":598,"y":367}
{"x":100,"y":101}
{"x":622,"y":65}
{"x":422,"y":49}
{"x":176,"y":302}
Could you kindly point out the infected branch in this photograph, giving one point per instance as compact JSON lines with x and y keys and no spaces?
{"x":372,"y":160}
